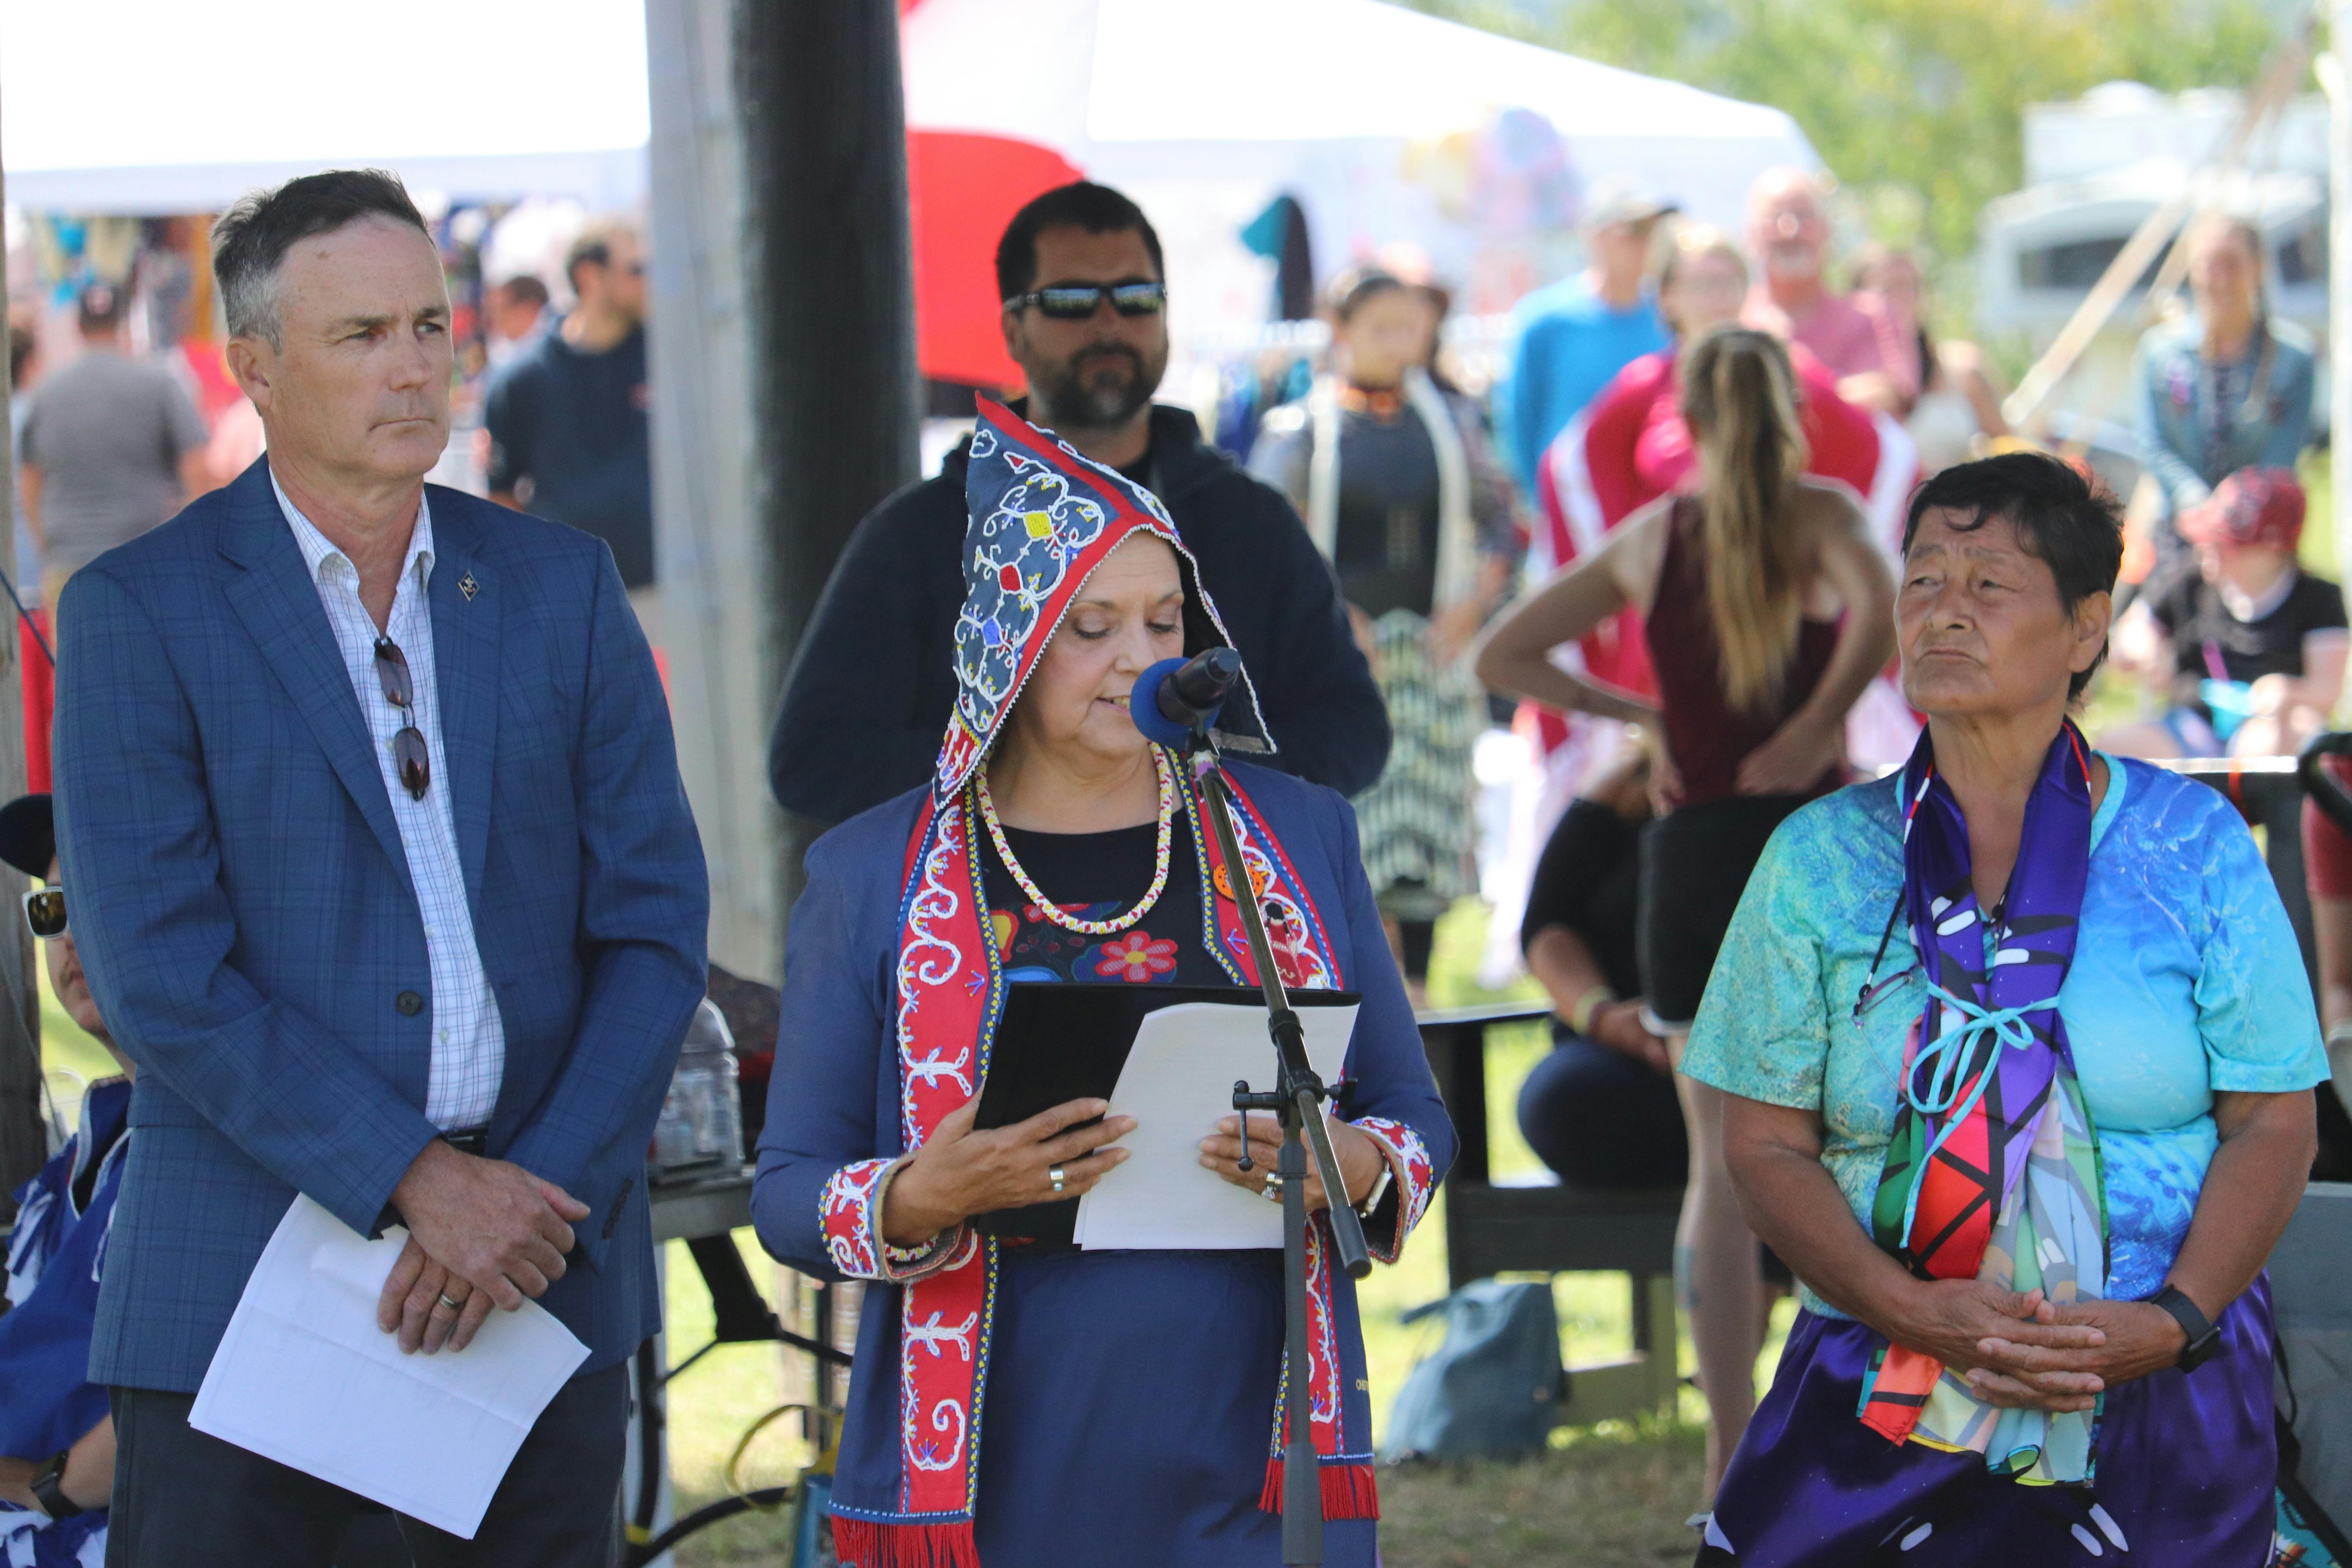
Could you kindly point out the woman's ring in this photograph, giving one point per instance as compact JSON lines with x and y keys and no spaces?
{"x":1272,"y":1191}
{"x":1056,"y":1176}
{"x":453,"y":1306}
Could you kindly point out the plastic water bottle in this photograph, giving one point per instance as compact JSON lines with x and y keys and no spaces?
{"x":703,"y":1117}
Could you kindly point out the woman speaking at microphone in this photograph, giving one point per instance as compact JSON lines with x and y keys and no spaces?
{"x":1011,"y":1400}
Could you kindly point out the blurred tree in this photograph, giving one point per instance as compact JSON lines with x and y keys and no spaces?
{"x":1924,"y":95}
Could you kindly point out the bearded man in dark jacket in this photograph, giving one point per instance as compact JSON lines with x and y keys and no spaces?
{"x":867,"y":700}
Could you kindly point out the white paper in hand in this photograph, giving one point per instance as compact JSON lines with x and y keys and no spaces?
{"x":304,"y":1377}
{"x":1179,"y":1080}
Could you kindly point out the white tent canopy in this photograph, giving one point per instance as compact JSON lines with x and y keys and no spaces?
{"x":1206,"y":110}
{"x":160,"y":106}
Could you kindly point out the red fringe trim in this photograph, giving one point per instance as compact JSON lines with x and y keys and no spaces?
{"x":863,"y":1543}
{"x":1348,"y":1491}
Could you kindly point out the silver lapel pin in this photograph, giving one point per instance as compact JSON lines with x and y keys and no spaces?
{"x":468,"y":586}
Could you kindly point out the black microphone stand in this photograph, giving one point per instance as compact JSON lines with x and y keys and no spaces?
{"x":1298,"y":1100}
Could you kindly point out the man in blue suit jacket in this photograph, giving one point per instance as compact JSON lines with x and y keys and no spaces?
{"x":385,"y":876}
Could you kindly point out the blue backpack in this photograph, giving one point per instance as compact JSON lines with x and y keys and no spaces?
{"x":1493,"y":1388}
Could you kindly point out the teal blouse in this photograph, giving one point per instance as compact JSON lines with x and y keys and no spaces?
{"x":2187,"y":980}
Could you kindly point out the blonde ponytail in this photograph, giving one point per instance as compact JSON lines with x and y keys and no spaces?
{"x":1739,"y":397}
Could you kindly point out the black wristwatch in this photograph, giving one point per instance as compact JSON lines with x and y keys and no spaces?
{"x":2204,"y":1338}
{"x":49,"y":1491}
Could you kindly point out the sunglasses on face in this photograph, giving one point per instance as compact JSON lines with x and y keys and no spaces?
{"x":407,"y":746}
{"x":45,"y":912}
{"x":1077,"y":301}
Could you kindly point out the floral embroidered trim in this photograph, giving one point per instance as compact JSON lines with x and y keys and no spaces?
{"x":846,"y":1216}
{"x":1415,"y":1183}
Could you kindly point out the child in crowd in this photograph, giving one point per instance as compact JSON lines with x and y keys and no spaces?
{"x":2249,"y":647}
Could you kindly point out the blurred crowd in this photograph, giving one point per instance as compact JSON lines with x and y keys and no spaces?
{"x":1669,"y":530}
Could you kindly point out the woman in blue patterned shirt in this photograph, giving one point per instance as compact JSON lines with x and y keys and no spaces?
{"x":2020,"y":1048}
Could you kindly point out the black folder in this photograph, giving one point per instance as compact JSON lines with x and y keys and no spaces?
{"x":1060,"y":1042}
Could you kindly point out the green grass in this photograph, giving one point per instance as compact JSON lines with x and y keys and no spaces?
{"x":1616,"y":1493}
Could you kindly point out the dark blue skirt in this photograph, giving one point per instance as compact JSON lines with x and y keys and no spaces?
{"x":1130,"y":1407}
{"x":2184,"y":1473}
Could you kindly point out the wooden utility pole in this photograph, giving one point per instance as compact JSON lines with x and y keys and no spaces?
{"x":831,"y":295}
{"x":22,"y":1145}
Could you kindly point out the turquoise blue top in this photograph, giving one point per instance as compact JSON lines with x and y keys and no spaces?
{"x":2187,"y":979}
{"x":1570,"y":344}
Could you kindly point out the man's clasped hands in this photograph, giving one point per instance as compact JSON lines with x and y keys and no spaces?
{"x":481,"y":1234}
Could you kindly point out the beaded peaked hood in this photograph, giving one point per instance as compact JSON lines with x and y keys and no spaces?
{"x":1043,"y":519}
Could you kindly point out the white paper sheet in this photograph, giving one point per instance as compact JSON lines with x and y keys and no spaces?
{"x":305,"y":1377}
{"x":1179,"y":1080}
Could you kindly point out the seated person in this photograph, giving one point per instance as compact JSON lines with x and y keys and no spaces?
{"x":1600,"y":1109}
{"x":2250,"y":647}
{"x":57,"y":1440}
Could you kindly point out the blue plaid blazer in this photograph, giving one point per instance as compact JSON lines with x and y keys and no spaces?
{"x":244,"y":909}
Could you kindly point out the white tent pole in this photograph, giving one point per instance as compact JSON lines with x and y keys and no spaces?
{"x":2339,"y":272}
{"x":709,"y":556}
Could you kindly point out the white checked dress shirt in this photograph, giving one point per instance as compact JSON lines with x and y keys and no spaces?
{"x":469,"y":1039}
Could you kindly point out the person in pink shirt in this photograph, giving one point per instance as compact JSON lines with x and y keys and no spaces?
{"x":1875,"y":356}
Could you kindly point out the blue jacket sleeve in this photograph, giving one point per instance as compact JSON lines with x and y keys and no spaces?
{"x":156,"y":932}
{"x":1390,"y":1084}
{"x":830,"y":1045}
{"x":2172,"y":470}
{"x":2291,"y":431}
{"x":644,"y":916}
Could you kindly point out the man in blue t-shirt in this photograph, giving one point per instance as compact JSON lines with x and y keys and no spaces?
{"x":567,"y":417}
{"x":1575,"y":335}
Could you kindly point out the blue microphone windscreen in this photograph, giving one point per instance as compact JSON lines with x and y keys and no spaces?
{"x":1143,"y":706}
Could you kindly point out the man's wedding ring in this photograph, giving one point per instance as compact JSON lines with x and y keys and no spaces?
{"x":453,"y":1306}
{"x":1272,"y":1191}
{"x":1056,"y":1176}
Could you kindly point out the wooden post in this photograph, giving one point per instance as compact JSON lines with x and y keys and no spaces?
{"x":831,"y":271}
{"x":22,"y":1145}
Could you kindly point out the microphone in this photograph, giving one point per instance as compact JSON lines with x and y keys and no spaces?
{"x":1176,"y":695}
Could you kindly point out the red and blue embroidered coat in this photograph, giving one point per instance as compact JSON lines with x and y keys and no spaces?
{"x":1131,"y":1399}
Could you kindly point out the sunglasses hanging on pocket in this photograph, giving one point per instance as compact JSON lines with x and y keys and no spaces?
{"x":408,"y":747}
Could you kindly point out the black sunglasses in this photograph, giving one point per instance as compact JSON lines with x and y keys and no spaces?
{"x":45,"y":912}
{"x":1077,"y":301}
{"x":408,"y":746}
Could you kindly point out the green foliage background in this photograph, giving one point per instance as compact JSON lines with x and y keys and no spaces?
{"x":1916,"y":105}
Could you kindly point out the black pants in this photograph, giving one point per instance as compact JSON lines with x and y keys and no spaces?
{"x":1695,"y":865}
{"x":183,"y":1496}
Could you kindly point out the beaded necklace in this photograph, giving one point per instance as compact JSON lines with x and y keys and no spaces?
{"x":1053,"y":912}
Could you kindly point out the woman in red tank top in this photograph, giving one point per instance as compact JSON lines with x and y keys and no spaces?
{"x":1769,"y":609}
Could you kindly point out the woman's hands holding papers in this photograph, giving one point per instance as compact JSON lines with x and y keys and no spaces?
{"x":1360,"y":1159}
{"x":960,"y":1171}
{"x":483,"y":1233}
